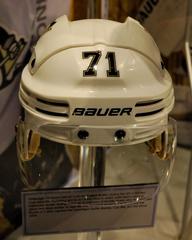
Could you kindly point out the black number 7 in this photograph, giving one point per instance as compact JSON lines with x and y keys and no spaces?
{"x":92,"y":68}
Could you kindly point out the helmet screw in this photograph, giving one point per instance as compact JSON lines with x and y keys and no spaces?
{"x":119,"y":135}
{"x":83,"y":134}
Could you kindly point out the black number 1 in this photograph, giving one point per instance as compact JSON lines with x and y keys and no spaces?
{"x":112,"y":72}
{"x":92,"y":68}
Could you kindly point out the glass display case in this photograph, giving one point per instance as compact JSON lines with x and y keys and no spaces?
{"x":154,"y":178}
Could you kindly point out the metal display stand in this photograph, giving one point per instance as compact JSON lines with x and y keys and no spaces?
{"x":92,"y":164}
{"x":92,"y":170}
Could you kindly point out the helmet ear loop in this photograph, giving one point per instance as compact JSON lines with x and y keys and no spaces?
{"x":158,"y":145}
{"x":28,"y":143}
{"x":34,"y":141}
{"x":22,"y":151}
{"x":163,"y":153}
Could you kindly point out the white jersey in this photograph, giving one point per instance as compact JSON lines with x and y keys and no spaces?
{"x":21,"y":24}
{"x":171,"y":16}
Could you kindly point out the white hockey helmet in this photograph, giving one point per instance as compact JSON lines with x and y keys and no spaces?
{"x":98,"y":83}
{"x":89,"y":76}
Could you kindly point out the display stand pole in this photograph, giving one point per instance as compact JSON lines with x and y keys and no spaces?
{"x":92,"y":170}
{"x":92,"y":159}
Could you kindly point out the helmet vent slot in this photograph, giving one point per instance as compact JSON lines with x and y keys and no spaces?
{"x":147,"y":103}
{"x":55,"y":114}
{"x":51,"y":108}
{"x":58,"y":104}
{"x":144,"y":114}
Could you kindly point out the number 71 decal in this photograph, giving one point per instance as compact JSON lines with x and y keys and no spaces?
{"x":95,"y":57}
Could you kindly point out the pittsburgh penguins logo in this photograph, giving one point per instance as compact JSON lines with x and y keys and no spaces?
{"x":10,"y":50}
